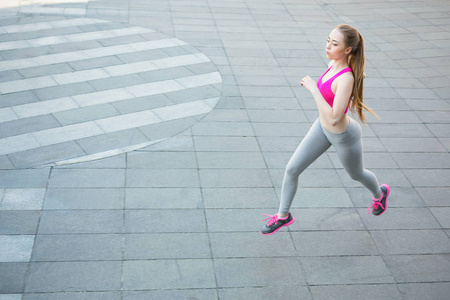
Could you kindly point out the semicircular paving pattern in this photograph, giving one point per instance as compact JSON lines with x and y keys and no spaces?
{"x":80,"y":89}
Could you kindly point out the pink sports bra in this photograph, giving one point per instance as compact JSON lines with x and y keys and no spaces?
{"x":325,"y":88}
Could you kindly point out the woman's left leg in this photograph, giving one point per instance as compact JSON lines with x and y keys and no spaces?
{"x":350,"y":151}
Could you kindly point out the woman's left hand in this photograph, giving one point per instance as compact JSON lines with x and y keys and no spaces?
{"x":309,"y":83}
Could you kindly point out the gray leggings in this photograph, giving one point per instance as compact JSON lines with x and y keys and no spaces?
{"x":348,"y":145}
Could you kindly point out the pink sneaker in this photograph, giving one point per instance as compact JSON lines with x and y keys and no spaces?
{"x":379,"y":206}
{"x":275,"y":223}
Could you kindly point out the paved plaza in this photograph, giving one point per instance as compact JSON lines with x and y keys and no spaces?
{"x":142,"y":140}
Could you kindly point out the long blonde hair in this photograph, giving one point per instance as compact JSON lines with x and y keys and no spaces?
{"x":356,"y":62}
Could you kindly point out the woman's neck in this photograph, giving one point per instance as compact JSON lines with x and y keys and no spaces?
{"x":340,"y":64}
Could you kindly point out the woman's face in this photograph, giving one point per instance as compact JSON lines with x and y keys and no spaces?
{"x":336,"y":48}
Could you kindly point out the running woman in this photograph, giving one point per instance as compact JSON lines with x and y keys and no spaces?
{"x":337,"y":90}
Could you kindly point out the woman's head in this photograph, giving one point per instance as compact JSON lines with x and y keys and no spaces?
{"x":354,"y":48}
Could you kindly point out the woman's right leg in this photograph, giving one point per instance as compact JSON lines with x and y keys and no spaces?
{"x":313,"y":145}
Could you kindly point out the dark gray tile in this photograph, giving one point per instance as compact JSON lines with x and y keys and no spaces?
{"x":161,"y":178}
{"x":360,"y":291}
{"x":273,"y":292}
{"x":239,"y":198}
{"x":253,"y":272}
{"x":418,"y":291}
{"x":73,"y":247}
{"x":419,"y":268}
{"x":116,"y":295}
{"x":200,"y":294}
{"x":85,"y":114}
{"x":161,"y":160}
{"x":65,"y":90}
{"x":346,"y":270}
{"x":81,"y":221}
{"x":434,"y":196}
{"x":112,"y":141}
{"x":400,"y":218}
{"x":163,"y":198}
{"x":317,"y":243}
{"x":108,"y":198}
{"x":19,"y":222}
{"x":27,"y":125}
{"x":251,"y":244}
{"x":217,"y":178}
{"x":74,"y":276}
{"x":87,"y":178}
{"x":411,"y":241}
{"x":143,"y":221}
{"x":46,"y":155}
{"x":326,"y":219}
{"x":172,"y":274}
{"x":166,"y":246}
{"x":12,"y":277}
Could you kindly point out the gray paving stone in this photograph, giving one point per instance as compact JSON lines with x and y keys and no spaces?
{"x":285,"y":292}
{"x":86,"y":247}
{"x":411,"y":241}
{"x":416,"y":291}
{"x":114,"y":140}
{"x":172,"y":178}
{"x":230,"y":160}
{"x":66,"y":90}
{"x":219,"y":220}
{"x":167,"y":129}
{"x":434,"y":196}
{"x":166,"y":246}
{"x":163,"y":198}
{"x":441,"y":214}
{"x":84,"y":198}
{"x":412,"y":145}
{"x":252,"y":272}
{"x":142,"y":103}
{"x":419,"y":268}
{"x":229,"y":245}
{"x":19,"y":222}
{"x":346,"y":270}
{"x":28,"y":125}
{"x":143,"y":221}
{"x":85,"y":114}
{"x":399,"y":197}
{"x":22,"y":199}
{"x":73,"y":296}
{"x":326,"y":219}
{"x":216,"y":178}
{"x":87,"y":178}
{"x":74,"y":276}
{"x":310,"y":178}
{"x":81,"y":221}
{"x":113,"y":162}
{"x":401,"y":218}
{"x":161,"y":160}
{"x":33,"y":178}
{"x":239,"y":198}
{"x":12,"y":277}
{"x":211,"y":143}
{"x":200,"y":294}
{"x":172,"y":274}
{"x":5,"y":163}
{"x":344,"y":243}
{"x":44,"y":155}
{"x":16,"y":248}
{"x":360,"y":291}
{"x":428,"y":178}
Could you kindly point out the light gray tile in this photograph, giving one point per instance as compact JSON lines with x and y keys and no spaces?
{"x":419,"y":268}
{"x":74,"y":276}
{"x":84,"y":198}
{"x":344,"y":243}
{"x":172,"y":274}
{"x":416,"y":291}
{"x":274,"y":292}
{"x":160,"y":178}
{"x":23,"y":199}
{"x":163,"y":198}
{"x":360,"y":291}
{"x":87,"y":178}
{"x":166,"y":246}
{"x":16,"y":248}
{"x":346,"y":270}
{"x":251,"y":272}
{"x":83,"y":247}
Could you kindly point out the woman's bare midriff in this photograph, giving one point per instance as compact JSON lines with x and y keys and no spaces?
{"x":341,"y":126}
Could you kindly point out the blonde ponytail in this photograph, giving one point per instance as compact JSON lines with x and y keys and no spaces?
{"x":356,"y":62}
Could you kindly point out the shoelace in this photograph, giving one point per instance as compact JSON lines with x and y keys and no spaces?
{"x":374,"y":206}
{"x":272,"y":219}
